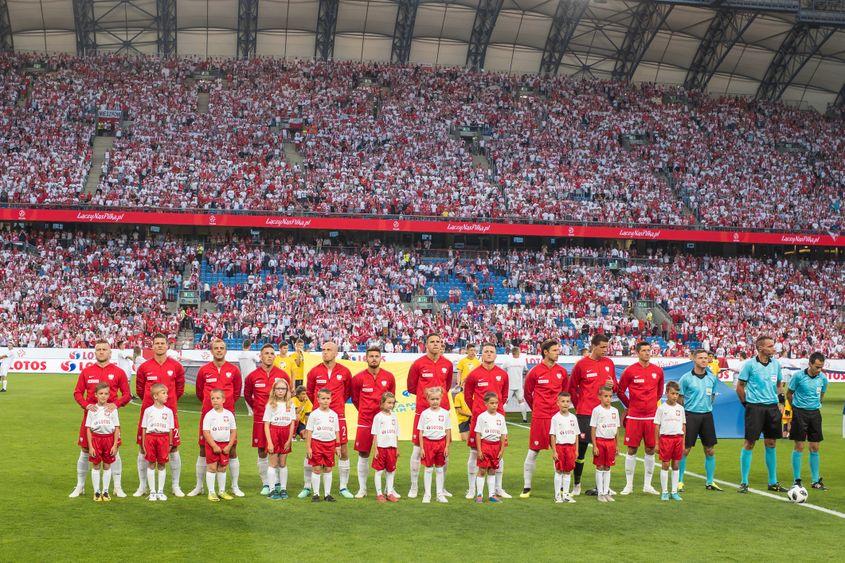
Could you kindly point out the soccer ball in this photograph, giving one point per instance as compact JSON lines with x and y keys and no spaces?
{"x":797,"y":494}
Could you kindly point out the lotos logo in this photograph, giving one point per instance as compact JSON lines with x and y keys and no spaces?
{"x":68,"y":366}
{"x":75,"y":356}
{"x":406,"y":393}
{"x":639,"y":233}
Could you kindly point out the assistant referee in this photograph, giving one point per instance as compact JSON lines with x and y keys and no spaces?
{"x":698,"y":390}
{"x":760,"y":388}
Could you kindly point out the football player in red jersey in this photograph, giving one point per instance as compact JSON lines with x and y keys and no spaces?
{"x":486,"y":378}
{"x":103,"y":371}
{"x":223,"y":375}
{"x":640,"y":389}
{"x":367,"y":390}
{"x":543,"y":384}
{"x":591,"y":373}
{"x":257,"y":388}
{"x":337,"y":378}
{"x":170,"y":373}
{"x":430,"y":370}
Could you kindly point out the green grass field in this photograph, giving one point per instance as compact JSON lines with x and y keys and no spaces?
{"x":39,"y":423}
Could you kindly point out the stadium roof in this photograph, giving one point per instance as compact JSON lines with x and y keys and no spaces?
{"x":766,"y":48}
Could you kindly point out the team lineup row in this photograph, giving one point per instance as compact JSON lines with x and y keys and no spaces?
{"x":282,"y":413}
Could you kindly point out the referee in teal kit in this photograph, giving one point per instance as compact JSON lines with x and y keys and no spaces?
{"x":760,"y":389}
{"x":806,"y":393}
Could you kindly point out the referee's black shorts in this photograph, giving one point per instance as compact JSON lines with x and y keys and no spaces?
{"x":700,"y":425}
{"x":765,"y":419}
{"x":584,"y":427}
{"x":806,"y":425}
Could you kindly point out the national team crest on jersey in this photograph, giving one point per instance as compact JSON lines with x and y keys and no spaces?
{"x":170,"y":372}
{"x":653,"y":375}
{"x":111,"y":376}
{"x":606,"y":368}
{"x":229,"y":374}
{"x":498,"y":378}
{"x":339,"y":377}
{"x":384,"y":383}
{"x":558,"y":375}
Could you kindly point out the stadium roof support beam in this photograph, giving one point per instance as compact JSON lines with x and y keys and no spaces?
{"x":725,"y":29}
{"x":647,"y":19}
{"x":247,"y":28}
{"x":166,"y":27}
{"x":482,"y":28}
{"x":800,"y":45}
{"x":403,"y":31}
{"x":567,"y":15}
{"x":839,"y":102}
{"x":6,"y":43}
{"x":326,"y":26}
{"x":83,"y":18}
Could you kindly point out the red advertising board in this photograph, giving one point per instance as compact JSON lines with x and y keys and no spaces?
{"x":415,"y":226}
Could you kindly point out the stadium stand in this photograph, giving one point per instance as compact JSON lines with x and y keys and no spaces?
{"x":365,"y":138}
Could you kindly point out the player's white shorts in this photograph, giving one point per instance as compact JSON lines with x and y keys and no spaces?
{"x":517,"y":394}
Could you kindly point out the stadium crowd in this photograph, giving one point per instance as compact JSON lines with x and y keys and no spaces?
{"x":375,"y":138}
{"x":63,"y":289}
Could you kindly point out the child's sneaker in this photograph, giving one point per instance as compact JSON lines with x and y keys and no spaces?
{"x":675,"y":496}
{"x":494,"y":498}
{"x":664,"y":496}
{"x":275,"y":495}
{"x":329,"y":498}
{"x":558,"y":497}
{"x":316,"y":498}
{"x":225,"y":496}
{"x":568,"y":498}
{"x":105,"y":496}
{"x":381,"y":499}
{"x":153,"y":497}
{"x":426,"y":498}
{"x":265,"y":491}
{"x":98,"y":497}
{"x":213,"y":497}
{"x":304,"y":493}
{"x":479,"y":499}
{"x":392,"y":497}
{"x":601,"y":498}
{"x":610,"y":498}
{"x":283,"y":494}
{"x":161,"y":496}
{"x":442,"y":499}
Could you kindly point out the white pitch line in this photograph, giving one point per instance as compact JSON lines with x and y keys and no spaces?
{"x":736,"y":486}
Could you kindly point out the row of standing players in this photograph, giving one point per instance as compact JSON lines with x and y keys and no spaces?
{"x":639,"y":389}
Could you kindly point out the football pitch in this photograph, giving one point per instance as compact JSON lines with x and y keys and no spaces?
{"x":39,"y":422}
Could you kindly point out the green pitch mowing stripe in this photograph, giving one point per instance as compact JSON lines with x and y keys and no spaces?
{"x":39,"y":423}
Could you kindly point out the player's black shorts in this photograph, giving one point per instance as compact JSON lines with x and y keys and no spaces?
{"x":806,"y":425}
{"x":700,"y":425}
{"x":464,"y":426}
{"x":584,"y":426}
{"x":300,"y":428}
{"x":765,"y":419}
